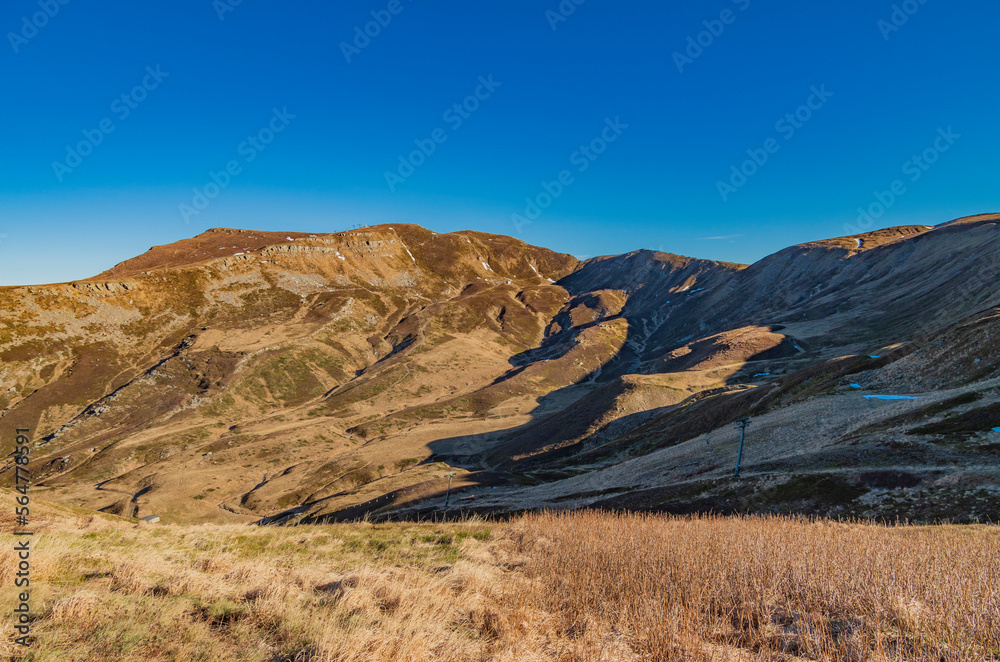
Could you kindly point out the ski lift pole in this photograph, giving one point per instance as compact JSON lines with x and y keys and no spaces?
{"x":447,"y":496}
{"x":742,"y":424}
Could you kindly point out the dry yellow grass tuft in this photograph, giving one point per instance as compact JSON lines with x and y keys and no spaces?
{"x":561,"y":587}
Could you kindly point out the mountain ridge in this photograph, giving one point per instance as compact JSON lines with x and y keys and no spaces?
{"x":242,"y":376}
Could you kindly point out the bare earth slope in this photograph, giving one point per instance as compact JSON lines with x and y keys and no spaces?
{"x":252,"y":376}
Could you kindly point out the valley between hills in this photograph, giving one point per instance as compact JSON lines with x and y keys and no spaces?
{"x":243,"y":376}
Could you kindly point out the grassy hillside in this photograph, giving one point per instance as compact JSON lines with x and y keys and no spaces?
{"x":243,"y":376}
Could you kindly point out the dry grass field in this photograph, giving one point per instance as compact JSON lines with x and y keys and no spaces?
{"x":561,"y":587}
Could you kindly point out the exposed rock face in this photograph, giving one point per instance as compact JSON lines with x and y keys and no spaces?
{"x":101,"y":288}
{"x":353,"y":370}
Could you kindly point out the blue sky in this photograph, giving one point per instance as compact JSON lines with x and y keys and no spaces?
{"x":325,"y":131}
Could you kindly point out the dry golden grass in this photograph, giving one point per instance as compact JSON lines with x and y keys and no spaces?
{"x":761,"y":588}
{"x":560,"y":587}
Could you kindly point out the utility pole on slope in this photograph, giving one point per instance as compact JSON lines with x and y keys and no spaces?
{"x":742,"y":424}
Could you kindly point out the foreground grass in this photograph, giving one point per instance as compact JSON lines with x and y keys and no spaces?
{"x":582,"y":586}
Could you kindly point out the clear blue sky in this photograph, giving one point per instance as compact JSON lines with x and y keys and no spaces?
{"x":656,"y":186}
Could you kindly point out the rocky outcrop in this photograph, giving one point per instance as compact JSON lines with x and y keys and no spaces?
{"x":106,"y":287}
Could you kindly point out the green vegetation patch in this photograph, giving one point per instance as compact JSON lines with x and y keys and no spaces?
{"x":825,"y":490}
{"x":982,"y":419}
{"x":922,"y":413}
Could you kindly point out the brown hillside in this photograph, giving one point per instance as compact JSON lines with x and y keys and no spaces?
{"x":250,"y":376}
